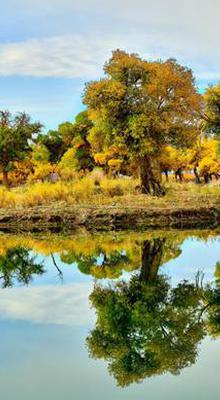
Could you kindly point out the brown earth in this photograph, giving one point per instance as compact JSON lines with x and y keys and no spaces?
{"x":56,"y":217}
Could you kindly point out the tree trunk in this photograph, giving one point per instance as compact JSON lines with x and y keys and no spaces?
{"x":206,"y":178}
{"x":166,"y":175}
{"x":195,"y":170}
{"x":5,"y":178}
{"x":152,"y":252}
{"x":150,"y":184}
{"x":179,"y":174}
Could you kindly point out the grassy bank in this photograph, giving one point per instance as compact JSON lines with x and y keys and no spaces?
{"x":93,"y":192}
{"x":108,"y":203}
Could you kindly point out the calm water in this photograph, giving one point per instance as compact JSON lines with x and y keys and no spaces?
{"x":124,"y":316}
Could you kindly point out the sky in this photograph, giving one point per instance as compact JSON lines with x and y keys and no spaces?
{"x":50,"y":48}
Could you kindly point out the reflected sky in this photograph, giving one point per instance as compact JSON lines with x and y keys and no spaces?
{"x":44,"y":327}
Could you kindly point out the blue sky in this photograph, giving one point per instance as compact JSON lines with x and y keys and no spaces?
{"x":48,"y":49}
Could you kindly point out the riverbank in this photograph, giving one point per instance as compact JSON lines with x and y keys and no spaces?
{"x":114,"y":205}
{"x":56,"y":217}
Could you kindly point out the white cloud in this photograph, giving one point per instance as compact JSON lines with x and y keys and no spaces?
{"x":70,"y":56}
{"x":78,"y":56}
{"x":88,"y":31}
{"x":65,"y":56}
{"x":62,"y":305}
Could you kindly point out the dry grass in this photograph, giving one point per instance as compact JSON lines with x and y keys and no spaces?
{"x":93,"y":191}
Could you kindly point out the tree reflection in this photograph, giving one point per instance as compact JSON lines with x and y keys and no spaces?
{"x":100,"y":264}
{"x":145,"y":326}
{"x":18,"y":266}
{"x":110,"y":263}
{"x":213,"y":305}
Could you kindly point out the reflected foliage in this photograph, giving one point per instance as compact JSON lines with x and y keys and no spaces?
{"x":145,"y":329}
{"x":146,"y":326}
{"x":17,"y":266}
{"x":213,"y":305}
{"x":110,"y":263}
{"x":100,"y":265}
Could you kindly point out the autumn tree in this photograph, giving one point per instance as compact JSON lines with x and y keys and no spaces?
{"x":16,"y":134}
{"x":80,"y":142}
{"x":144,"y":106}
{"x":113,"y":160}
{"x":205,"y":159}
{"x":78,"y":156}
{"x":174,"y":159}
{"x":211,"y":114}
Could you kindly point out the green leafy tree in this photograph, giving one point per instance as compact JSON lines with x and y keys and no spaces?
{"x":40,"y":154}
{"x":82,"y":125}
{"x":16,"y":135}
{"x":67,"y":132}
{"x":80,"y":142}
{"x":54,"y":143}
{"x":144,"y":106}
{"x":73,"y":149}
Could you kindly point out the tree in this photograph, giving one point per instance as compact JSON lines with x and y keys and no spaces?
{"x":211,"y":114}
{"x":40,"y":154}
{"x":113,"y":159}
{"x":53,"y":141}
{"x":81,"y":129}
{"x":82,"y":126}
{"x":174,"y":159}
{"x":67,"y":133}
{"x":144,"y":106}
{"x":78,"y":157}
{"x":205,"y":159}
{"x":16,"y":134}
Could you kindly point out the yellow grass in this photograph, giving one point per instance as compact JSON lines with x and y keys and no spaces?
{"x":100,"y":190}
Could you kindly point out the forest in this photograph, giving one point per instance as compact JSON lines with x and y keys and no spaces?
{"x":145,"y":132}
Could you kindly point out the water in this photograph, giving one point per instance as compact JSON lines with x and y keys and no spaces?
{"x":114,"y":316}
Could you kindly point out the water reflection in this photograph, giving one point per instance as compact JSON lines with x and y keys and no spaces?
{"x":16,"y":265}
{"x":145,"y":326}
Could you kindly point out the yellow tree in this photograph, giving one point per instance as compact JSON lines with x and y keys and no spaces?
{"x":144,"y":106}
{"x":211,"y":114}
{"x":112,"y":159}
{"x":205,"y":159}
{"x":173,"y":159}
{"x":209,"y":163}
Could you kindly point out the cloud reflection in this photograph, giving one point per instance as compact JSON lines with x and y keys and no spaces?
{"x":60,"y":305}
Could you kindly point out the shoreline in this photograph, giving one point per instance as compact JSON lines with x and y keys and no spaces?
{"x":108,"y":218}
